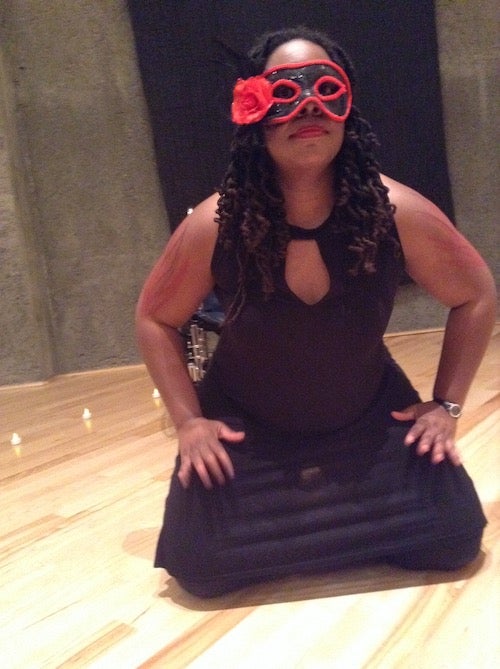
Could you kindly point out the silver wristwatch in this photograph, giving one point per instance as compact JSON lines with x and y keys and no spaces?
{"x":455,"y":410}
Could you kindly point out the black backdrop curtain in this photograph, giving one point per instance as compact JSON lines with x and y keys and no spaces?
{"x":188,"y":90}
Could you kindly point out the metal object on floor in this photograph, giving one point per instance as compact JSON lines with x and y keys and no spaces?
{"x":201,"y":334}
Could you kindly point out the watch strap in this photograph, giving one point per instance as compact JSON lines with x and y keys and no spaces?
{"x":454,"y":409}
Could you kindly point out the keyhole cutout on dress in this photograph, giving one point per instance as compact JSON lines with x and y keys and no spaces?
{"x":306,"y":274}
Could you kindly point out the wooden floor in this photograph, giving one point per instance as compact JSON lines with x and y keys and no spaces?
{"x":81,"y":505}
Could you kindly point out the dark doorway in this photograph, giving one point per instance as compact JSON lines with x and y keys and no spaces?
{"x":188,"y":89}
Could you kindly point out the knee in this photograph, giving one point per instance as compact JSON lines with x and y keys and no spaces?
{"x":446,"y":555}
{"x":210,"y":589}
{"x":203,"y":590}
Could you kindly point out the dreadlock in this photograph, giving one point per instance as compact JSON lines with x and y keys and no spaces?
{"x":251,"y":207}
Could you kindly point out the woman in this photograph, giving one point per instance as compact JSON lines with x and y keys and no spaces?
{"x":306,"y":448}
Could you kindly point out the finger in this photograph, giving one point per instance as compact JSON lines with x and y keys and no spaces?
{"x":213,"y":464}
{"x":228,"y":434}
{"x":226,"y":463}
{"x":184,"y":473}
{"x":203,"y":473}
{"x":424,"y":445}
{"x":220,"y":464}
{"x":453,"y":453}
{"x":414,"y":434}
{"x":404,"y":415}
{"x":438,"y":451}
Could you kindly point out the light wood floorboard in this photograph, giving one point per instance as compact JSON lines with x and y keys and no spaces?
{"x":81,"y":506}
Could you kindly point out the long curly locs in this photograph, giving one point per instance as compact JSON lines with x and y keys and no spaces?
{"x":251,"y":215}
{"x":251,"y":209}
{"x":362,"y":203}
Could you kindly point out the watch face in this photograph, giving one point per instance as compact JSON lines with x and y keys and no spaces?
{"x":455,"y":410}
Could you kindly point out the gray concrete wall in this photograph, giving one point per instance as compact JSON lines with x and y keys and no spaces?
{"x":25,"y":347}
{"x":82,"y":218}
{"x":469,"y":64}
{"x":81,"y":214}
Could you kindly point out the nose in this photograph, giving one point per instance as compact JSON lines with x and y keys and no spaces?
{"x":311,"y":108}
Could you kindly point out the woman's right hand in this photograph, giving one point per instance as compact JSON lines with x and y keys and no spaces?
{"x":200,"y":449}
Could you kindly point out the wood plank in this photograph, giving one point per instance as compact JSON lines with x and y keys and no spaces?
{"x":82,"y":503}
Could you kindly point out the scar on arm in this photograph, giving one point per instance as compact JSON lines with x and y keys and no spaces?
{"x":166,"y":276}
{"x":449,"y":241}
{"x":461,"y":249}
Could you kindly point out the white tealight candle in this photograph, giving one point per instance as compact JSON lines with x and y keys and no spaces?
{"x":156,"y":394}
{"x":16,"y":439}
{"x":86,"y":415}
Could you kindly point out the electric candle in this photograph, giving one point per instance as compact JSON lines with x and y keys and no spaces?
{"x":16,"y":439}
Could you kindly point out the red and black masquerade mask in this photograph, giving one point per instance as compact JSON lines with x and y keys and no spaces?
{"x":278,"y":94}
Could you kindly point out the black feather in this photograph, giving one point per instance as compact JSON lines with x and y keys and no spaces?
{"x":239,"y":62}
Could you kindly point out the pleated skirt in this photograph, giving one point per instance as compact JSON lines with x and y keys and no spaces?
{"x":310,"y":503}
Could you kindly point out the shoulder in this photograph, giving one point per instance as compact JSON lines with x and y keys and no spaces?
{"x":181,"y":278}
{"x":422,"y":227}
{"x":437,"y":255}
{"x":419,"y":221}
{"x":411,"y":205}
{"x":198,"y":231}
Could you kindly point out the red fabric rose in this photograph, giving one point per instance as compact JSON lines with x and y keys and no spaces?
{"x":252,"y":99}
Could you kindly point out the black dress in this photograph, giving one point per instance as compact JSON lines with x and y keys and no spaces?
{"x":323,"y":479}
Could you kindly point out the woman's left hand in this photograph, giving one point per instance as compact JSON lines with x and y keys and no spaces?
{"x":434,"y":430}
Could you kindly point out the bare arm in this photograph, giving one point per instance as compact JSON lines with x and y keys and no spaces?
{"x":177,"y":285}
{"x":445,"y":264}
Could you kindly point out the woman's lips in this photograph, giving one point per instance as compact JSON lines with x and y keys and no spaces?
{"x":309,"y":131}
